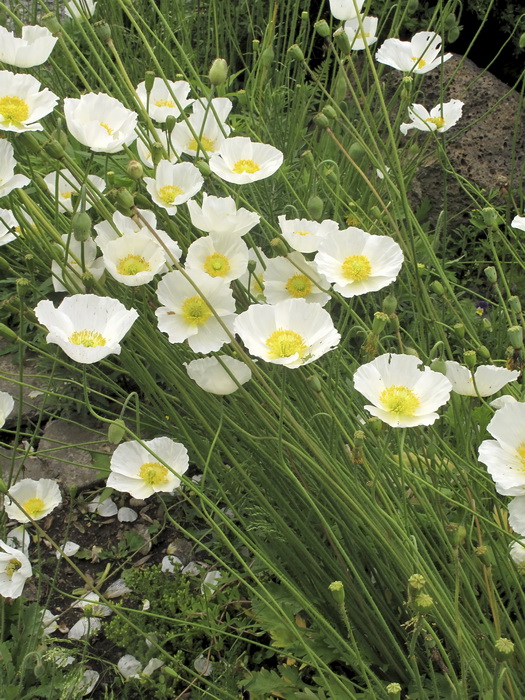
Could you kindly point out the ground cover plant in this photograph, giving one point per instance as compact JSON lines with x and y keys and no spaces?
{"x":304,"y":384}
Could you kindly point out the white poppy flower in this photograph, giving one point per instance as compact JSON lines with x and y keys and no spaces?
{"x":359,"y":38}
{"x":504,"y":457}
{"x":136,"y":471}
{"x":22,"y":104}
{"x":502,"y":401}
{"x":87,"y":327}
{"x":8,"y":180}
{"x":240,"y":160}
{"x":403,"y":395}
{"x":294,"y":277}
{"x":419,"y":55}
{"x":171,"y":152}
{"x":63,"y":184}
{"x":517,"y":515}
{"x":488,"y":379}
{"x":253,"y":280}
{"x":441,"y":118}
{"x":218,"y":255}
{"x":133,"y":259}
{"x":67,"y":276}
{"x":36,"y":498}
{"x":80,"y":8}
{"x":517,"y":553}
{"x":210,"y":374}
{"x":220,"y":215}
{"x":358,"y":262}
{"x":100,"y":122}
{"x":167,"y":98}
{"x":346,"y":9}
{"x":15,"y":569}
{"x":185,"y":315}
{"x":206,"y":124}
{"x":291,"y":333}
{"x":6,"y":406}
{"x":85,"y":627}
{"x":32,"y":49}
{"x":518,"y":222}
{"x":9,"y":229}
{"x":304,"y":235}
{"x":19,"y":538}
{"x":173,"y":184}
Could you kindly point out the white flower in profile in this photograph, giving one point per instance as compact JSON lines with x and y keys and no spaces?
{"x":9,"y":229}
{"x":173,"y":184}
{"x":487,"y":379}
{"x":240,"y":160}
{"x":402,"y":394}
{"x":501,"y":401}
{"x":517,"y":553}
{"x":185,"y":315}
{"x":205,"y":130}
{"x":218,"y":255}
{"x":87,"y":327}
{"x":346,"y":9}
{"x":518,"y":222}
{"x":253,"y":278}
{"x":8,"y":180}
{"x":305,"y":235}
{"x":441,"y":118}
{"x":517,"y":515}
{"x":293,"y":277}
{"x":121,"y":225}
{"x":220,"y":215}
{"x":134,"y":259}
{"x":6,"y":406}
{"x":504,"y":457}
{"x":32,"y":49}
{"x":100,"y":122}
{"x":167,"y":98}
{"x":291,"y":333}
{"x":78,"y":9}
{"x":358,"y":262}
{"x":135,"y":470}
{"x":19,"y":538}
{"x":22,"y":103}
{"x":62,"y":184}
{"x":419,"y":55}
{"x":36,"y":499}
{"x":15,"y":569}
{"x":220,"y":376}
{"x":359,"y":37}
{"x":171,"y":153}
{"x":67,"y":275}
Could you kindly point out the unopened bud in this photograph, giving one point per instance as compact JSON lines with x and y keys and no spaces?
{"x":376,"y":426}
{"x":296,"y":53}
{"x":486,"y":325}
{"x":515,"y":305}
{"x":169,"y":124}
{"x":322,"y":28}
{"x":279,"y":246}
{"x":342,"y":41}
{"x":30,"y":262}
{"x":22,"y":286}
{"x":411,"y":351}
{"x":88,"y":281}
{"x":503,"y":649}
{"x":124,"y":199}
{"x":242,"y":98}
{"x":389,"y":305}
{"x":330,"y":112}
{"x":490,"y":216}
{"x":116,"y":431}
{"x":81,"y":226}
{"x":308,"y":157}
{"x":203,"y":167}
{"x":321,"y":120}
{"x":30,"y":142}
{"x":450,"y":21}
{"x":412,"y":6}
{"x":134,"y":170}
{"x":491,"y":274}
{"x":149,"y":81}
{"x":483,"y":352}
{"x":521,"y":42}
{"x":456,"y":534}
{"x":103,"y":31}
{"x":356,"y":152}
{"x":267,"y":57}
{"x":515,"y":336}
{"x":252,"y":266}
{"x":305,"y":16}
{"x":156,"y":152}
{"x":469,"y":358}
{"x":54,"y":149}
{"x":337,"y":590}
{"x":437,"y":288}
{"x":315,"y":383}
{"x":7,"y":333}
{"x":438,"y":365}
{"x":315,"y":207}
{"x":453,"y":34}
{"x":218,"y":72}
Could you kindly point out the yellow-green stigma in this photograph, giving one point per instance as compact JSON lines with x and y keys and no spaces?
{"x":203,"y":144}
{"x":164,"y":103}
{"x":107,"y":127}
{"x":304,"y":233}
{"x":89,"y":339}
{"x":217,"y":265}
{"x":12,"y":567}
{"x":195,"y":311}
{"x":285,"y":343}
{"x":521,"y":455}
{"x":169,"y":193}
{"x":13,"y":110}
{"x":438,"y":121}
{"x":245,"y":166}
{"x":153,"y":473}
{"x":66,"y":195}
{"x":421,"y":63}
{"x":299,"y":286}
{"x":399,"y":400}
{"x":357,"y":268}
{"x":132,"y":265}
{"x":34,"y":507}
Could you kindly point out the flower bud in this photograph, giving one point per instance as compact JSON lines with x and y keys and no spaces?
{"x":515,"y":305}
{"x":376,"y":425}
{"x":279,"y":246}
{"x":169,"y":124}
{"x":315,"y":207}
{"x":521,"y":42}
{"x":321,"y":120}
{"x":342,"y":41}
{"x":485,"y":555}
{"x":490,"y":216}
{"x":295,"y":52}
{"x":156,"y":152}
{"x":124,"y":200}
{"x":30,"y":262}
{"x":393,"y":323}
{"x":103,"y":31}
{"x":389,"y":305}
{"x":7,"y":333}
{"x":340,"y":86}
{"x":141,"y":201}
{"x":483,"y":352}
{"x":356,"y":152}
{"x":267,"y":57}
{"x":337,"y":590}
{"x":315,"y":383}
{"x":453,"y":34}
{"x":305,"y":16}
{"x":22,"y":286}
{"x":469,"y":358}
{"x":503,"y":649}
{"x":412,"y":6}
{"x":134,"y":170}
{"x":88,"y":281}
{"x":81,"y":226}
{"x":437,"y":288}
{"x":459,"y":330}
{"x":30,"y":142}
{"x":329,"y":112}
{"x":379,"y":322}
{"x":491,"y":274}
{"x":450,"y":21}
{"x":252,"y":266}
{"x":203,"y":168}
{"x":438,"y":365}
{"x":149,"y":81}
{"x":110,"y":178}
{"x":486,"y":325}
{"x":322,"y":28}
{"x":515,"y":336}
{"x":242,"y":97}
{"x":54,"y":149}
{"x":218,"y":72}
{"x":116,"y":431}
{"x":308,"y":157}
{"x":411,"y":351}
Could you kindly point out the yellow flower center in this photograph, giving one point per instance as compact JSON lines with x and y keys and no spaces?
{"x":360,"y":34}
{"x":421,"y":63}
{"x":169,"y":193}
{"x":13,"y":110}
{"x":12,"y":567}
{"x":438,"y":121}
{"x":303,"y":233}
{"x":107,"y":127}
{"x":245,"y":166}
{"x":399,"y":400}
{"x":34,"y":507}
{"x":521,"y":455}
{"x":153,"y":473}
{"x":66,"y":195}
{"x":132,"y":265}
{"x":285,"y":343}
{"x":164,"y":103}
{"x":195,"y":311}
{"x":299,"y":286}
{"x":217,"y":265}
{"x":205,"y":145}
{"x":89,"y":339}
{"x":357,"y":268}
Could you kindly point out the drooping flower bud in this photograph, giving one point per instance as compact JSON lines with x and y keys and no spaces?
{"x":218,"y":72}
